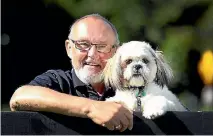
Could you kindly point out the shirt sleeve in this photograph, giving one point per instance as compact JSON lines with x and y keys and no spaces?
{"x":53,"y":79}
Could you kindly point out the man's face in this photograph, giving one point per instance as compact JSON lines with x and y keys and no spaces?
{"x":89,"y":64}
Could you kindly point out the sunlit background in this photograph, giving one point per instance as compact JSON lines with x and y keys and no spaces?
{"x":33,"y":33}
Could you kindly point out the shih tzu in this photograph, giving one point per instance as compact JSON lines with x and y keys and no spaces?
{"x":140,"y":76}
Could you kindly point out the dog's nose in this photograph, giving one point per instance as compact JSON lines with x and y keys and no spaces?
{"x":137,"y":67}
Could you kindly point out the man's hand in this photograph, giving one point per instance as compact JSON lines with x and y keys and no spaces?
{"x":112,"y":115}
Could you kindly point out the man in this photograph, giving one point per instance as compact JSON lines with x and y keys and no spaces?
{"x":79,"y":92}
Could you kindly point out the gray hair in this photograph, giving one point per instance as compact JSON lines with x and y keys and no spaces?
{"x":99,"y":17}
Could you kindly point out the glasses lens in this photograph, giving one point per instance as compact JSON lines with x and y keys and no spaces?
{"x":82,"y":45}
{"x":104,"y":49}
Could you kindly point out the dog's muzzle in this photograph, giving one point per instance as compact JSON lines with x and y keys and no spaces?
{"x":136,"y":68}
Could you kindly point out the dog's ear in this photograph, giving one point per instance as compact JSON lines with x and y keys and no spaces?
{"x":164,"y":73}
{"x":112,"y":72}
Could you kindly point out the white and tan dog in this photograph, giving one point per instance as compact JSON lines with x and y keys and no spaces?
{"x":140,"y":76}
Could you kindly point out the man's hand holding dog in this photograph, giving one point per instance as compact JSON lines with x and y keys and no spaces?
{"x":111,"y":115}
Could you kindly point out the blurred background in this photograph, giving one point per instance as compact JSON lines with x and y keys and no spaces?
{"x":33,"y":34}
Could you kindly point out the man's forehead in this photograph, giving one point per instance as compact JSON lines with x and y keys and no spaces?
{"x":80,"y":28}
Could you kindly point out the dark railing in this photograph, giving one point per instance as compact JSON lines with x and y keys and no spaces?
{"x":172,"y":123}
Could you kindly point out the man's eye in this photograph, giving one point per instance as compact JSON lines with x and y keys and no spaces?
{"x":101,"y":46}
{"x":84,"y":45}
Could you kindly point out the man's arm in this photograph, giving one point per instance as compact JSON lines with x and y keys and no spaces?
{"x":37,"y":98}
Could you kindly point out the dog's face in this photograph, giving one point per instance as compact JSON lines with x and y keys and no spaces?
{"x":136,"y":64}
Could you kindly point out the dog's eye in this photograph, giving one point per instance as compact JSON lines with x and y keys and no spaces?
{"x":145,"y":60}
{"x":128,"y":61}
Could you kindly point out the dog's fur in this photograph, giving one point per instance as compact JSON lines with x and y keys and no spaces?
{"x":136,"y":64}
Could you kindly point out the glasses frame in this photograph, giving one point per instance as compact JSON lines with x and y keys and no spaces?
{"x":91,"y":44}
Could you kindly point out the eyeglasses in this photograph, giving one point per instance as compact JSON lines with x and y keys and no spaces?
{"x":85,"y":46}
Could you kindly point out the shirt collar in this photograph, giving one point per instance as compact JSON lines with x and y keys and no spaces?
{"x":76,"y":81}
{"x":108,"y":92}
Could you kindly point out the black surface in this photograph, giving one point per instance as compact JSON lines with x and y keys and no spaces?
{"x":173,"y":123}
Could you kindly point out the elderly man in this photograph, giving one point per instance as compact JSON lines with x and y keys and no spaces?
{"x":80,"y":91}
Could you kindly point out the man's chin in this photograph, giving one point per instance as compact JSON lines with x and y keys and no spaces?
{"x":90,"y":77}
{"x":89,"y":73}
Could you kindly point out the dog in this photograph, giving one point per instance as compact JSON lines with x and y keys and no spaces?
{"x":140,"y":76}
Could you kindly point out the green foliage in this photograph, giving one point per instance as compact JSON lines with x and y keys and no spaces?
{"x":129,"y":16}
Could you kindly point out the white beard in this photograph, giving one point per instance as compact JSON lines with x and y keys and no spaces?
{"x":86,"y":78}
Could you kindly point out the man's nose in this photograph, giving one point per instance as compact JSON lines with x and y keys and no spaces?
{"x":92,"y":52}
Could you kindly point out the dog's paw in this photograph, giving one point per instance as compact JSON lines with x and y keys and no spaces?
{"x":155,"y":107}
{"x":154,"y":113}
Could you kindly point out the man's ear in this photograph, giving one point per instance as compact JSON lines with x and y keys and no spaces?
{"x":68,"y":48}
{"x":114,"y":50}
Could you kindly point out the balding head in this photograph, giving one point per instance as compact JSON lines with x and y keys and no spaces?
{"x":91,"y":18}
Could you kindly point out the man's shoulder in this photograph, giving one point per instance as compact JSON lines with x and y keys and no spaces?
{"x":61,"y":77}
{"x":60,"y":73}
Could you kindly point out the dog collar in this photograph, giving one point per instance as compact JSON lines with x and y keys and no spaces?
{"x":140,"y":92}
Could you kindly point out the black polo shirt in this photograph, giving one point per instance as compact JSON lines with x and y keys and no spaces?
{"x":67,"y":82}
